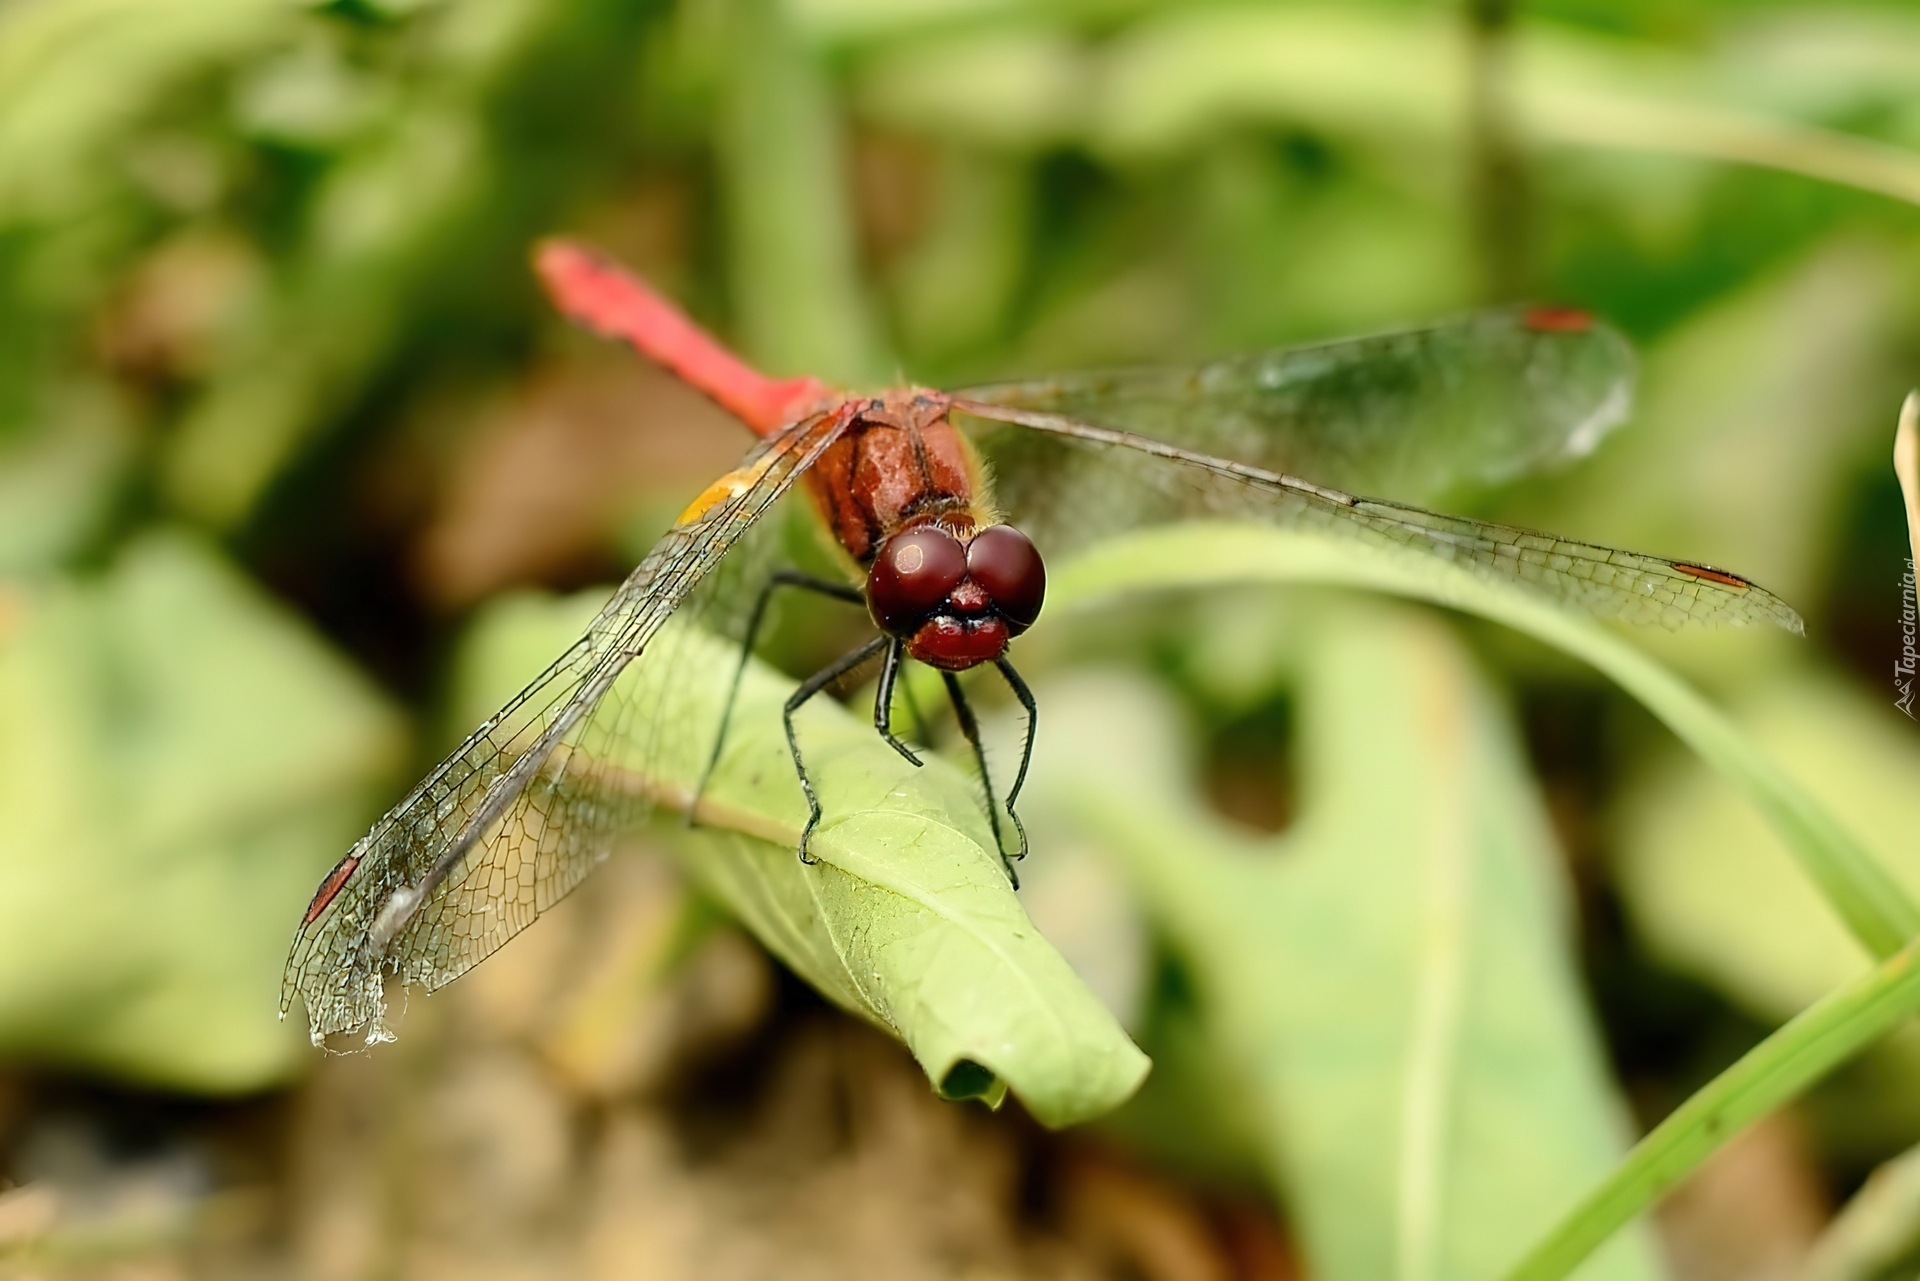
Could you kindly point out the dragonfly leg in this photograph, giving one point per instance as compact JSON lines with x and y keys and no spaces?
{"x":808,"y":688}
{"x":1025,"y":695}
{"x":969,"y":726}
{"x":883,"y":701}
{"x":784,"y":578}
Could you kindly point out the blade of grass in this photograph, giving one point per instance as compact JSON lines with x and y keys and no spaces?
{"x":1770,"y":1074}
{"x":1710,"y":132}
{"x":1874,"y":907}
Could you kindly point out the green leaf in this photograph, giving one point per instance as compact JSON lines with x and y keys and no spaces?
{"x":1875,"y":909}
{"x":906,"y":920}
{"x":1393,"y":973}
{"x":180,"y":760}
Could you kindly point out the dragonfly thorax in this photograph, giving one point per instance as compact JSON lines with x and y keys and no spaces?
{"x":956,"y":596}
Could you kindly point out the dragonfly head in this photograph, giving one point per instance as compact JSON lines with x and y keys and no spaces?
{"x":956,"y":603}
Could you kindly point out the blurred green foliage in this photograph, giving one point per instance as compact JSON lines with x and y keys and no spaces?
{"x":1392,"y":979}
{"x":179,"y":755}
{"x":262,"y":289}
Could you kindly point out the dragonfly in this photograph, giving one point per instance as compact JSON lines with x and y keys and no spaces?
{"x":944,"y":507}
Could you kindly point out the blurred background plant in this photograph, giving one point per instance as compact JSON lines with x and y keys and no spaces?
{"x":289,"y":446}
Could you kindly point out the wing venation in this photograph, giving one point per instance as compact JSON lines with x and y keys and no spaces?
{"x":1477,"y":400}
{"x":530,"y":803}
{"x":1068,"y":484}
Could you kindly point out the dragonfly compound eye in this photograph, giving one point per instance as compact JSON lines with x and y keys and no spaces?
{"x":1005,"y":562}
{"x":912,"y":576}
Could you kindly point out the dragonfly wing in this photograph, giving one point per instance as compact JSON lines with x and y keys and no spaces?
{"x":534,"y":799}
{"x":1478,"y":399}
{"x":1067,"y":484}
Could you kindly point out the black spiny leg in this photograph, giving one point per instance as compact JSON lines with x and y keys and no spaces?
{"x":813,"y":685}
{"x":883,"y":701}
{"x":1025,"y":695}
{"x":784,"y":578}
{"x":963,"y":712}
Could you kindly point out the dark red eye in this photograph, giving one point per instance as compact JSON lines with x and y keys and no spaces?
{"x":911,"y":577}
{"x":1005,"y":562}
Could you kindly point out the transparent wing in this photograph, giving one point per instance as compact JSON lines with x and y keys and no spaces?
{"x":520,"y":812}
{"x":1067,"y":484}
{"x":1477,"y":399}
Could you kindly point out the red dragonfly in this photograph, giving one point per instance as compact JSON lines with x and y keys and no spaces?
{"x":950,"y":568}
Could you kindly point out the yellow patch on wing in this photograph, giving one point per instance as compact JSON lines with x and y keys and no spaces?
{"x":727,"y":488}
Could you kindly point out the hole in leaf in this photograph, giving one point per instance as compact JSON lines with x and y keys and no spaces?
{"x":965,"y":1080}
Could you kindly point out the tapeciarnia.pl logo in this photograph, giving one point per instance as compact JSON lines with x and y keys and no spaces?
{"x":1903,"y":666}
